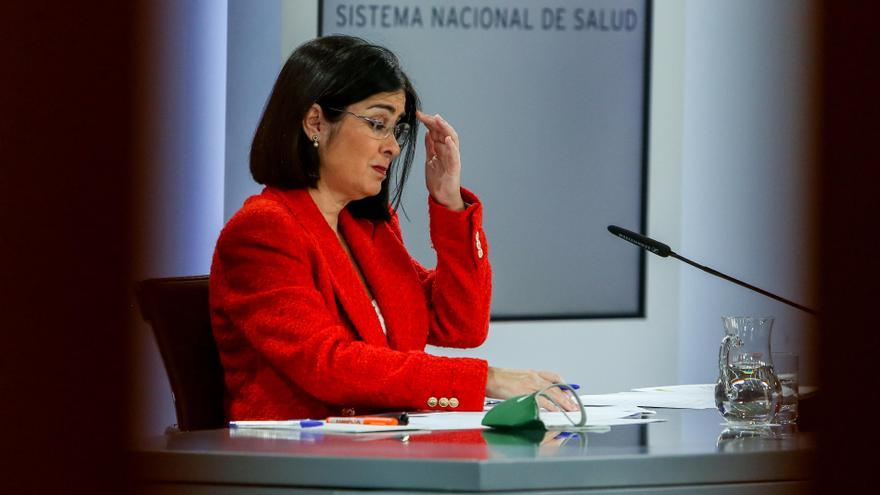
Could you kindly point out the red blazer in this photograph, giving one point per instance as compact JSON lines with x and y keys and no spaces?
{"x":298,"y":336}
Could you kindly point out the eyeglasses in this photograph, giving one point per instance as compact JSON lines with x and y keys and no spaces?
{"x":380,"y":129}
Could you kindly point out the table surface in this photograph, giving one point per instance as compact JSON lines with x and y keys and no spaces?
{"x":692,"y":447}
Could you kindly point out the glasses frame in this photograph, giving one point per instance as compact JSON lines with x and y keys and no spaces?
{"x":400,"y":130}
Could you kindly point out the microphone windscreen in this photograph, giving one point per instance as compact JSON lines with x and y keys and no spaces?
{"x":644,"y":242}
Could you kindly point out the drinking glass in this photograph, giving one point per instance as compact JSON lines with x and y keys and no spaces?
{"x":786,"y":366}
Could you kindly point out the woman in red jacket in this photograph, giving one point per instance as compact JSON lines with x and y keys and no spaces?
{"x":317,"y":308}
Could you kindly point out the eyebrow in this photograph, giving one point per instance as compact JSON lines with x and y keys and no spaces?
{"x":384,"y":106}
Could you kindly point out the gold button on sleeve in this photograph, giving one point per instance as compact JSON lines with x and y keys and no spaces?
{"x":444,"y":402}
{"x":453,"y":402}
{"x":432,"y":401}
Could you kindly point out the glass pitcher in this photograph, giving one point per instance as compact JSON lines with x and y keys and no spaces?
{"x":748,"y":390}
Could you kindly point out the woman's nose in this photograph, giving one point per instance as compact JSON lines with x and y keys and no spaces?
{"x":390,"y":145}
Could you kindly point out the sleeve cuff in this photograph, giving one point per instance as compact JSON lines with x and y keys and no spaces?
{"x":459,"y":229}
{"x":463,"y":389}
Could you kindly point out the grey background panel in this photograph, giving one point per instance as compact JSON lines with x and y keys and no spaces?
{"x":552,"y":130}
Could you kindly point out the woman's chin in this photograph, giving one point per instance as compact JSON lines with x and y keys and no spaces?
{"x":369,"y":193}
{"x":373,"y":191}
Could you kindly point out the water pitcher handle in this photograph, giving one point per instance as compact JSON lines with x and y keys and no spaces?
{"x":724,"y":355}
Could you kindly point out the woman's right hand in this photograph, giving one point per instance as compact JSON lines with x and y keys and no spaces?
{"x":503,"y":383}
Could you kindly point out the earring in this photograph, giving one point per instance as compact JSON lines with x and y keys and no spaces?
{"x":315,"y":140}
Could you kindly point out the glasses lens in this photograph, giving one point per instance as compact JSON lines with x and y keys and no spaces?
{"x":378,"y":128}
{"x":401,"y":131}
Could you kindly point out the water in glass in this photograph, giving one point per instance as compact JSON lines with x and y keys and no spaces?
{"x":748,"y":391}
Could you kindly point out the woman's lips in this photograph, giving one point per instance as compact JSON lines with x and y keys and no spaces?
{"x":381,"y":170}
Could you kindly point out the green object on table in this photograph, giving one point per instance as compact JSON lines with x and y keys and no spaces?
{"x":523,"y":412}
{"x":518,"y":412}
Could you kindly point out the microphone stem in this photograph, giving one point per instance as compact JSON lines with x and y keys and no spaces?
{"x":741,"y":283}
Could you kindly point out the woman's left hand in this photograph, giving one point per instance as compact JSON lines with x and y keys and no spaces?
{"x":443,"y":162}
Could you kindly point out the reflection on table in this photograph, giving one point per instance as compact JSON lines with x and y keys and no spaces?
{"x":691,"y":448}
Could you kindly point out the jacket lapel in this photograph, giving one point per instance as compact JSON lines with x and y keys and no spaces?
{"x":349,"y":290}
{"x":385,"y":264}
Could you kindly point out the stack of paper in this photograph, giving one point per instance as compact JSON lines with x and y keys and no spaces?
{"x":596,"y":416}
{"x":434,"y":421}
{"x":700,"y":396}
{"x":323,"y":427}
{"x":602,"y":416}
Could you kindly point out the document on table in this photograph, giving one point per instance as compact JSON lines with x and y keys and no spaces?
{"x":698,"y":396}
{"x":596,"y":416}
{"x":602,"y":416}
{"x":313,"y":434}
{"x":294,"y":425}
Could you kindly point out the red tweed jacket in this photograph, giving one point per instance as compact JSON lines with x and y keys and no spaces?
{"x":298,"y":336}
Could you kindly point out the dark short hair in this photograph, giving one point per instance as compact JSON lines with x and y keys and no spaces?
{"x":334,"y":72}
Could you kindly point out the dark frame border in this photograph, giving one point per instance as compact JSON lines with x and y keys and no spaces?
{"x":643,"y":225}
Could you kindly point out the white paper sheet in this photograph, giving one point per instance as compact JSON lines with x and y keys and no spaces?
{"x":701,"y":389}
{"x":596,"y":416}
{"x":602,"y":416}
{"x":293,"y":425}
{"x":697,"y":396}
{"x":447,"y":420}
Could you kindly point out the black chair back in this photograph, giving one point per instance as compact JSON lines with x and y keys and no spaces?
{"x":177,"y":310}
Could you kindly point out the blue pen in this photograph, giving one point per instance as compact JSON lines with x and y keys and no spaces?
{"x":566,"y":434}
{"x":294,"y":423}
{"x":574,"y":386}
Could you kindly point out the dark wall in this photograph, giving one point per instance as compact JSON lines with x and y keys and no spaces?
{"x":65,"y":169}
{"x":850,"y":268}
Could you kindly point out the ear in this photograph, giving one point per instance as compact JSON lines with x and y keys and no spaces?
{"x":313,"y":123}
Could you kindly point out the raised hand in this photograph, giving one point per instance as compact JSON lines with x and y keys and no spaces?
{"x":443,"y":162}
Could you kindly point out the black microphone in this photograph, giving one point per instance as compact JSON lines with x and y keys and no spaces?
{"x":663,"y":250}
{"x":643,"y":242}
